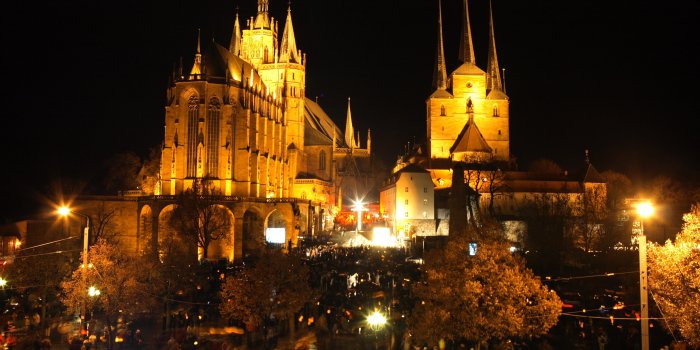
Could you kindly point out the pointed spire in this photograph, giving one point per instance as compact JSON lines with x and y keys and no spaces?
{"x":349,"y":132}
{"x":357,"y":140}
{"x":369,"y":140}
{"x":196,"y":71}
{"x":466,"y":47}
{"x":288,"y":47}
{"x":235,"y":46}
{"x":440,"y":73}
{"x":262,"y":20}
{"x":493,"y":73}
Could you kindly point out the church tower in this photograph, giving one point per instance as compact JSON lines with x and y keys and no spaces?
{"x":468,"y":98}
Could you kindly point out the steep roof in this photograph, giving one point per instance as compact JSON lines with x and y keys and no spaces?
{"x":316,"y":118}
{"x":470,"y":139}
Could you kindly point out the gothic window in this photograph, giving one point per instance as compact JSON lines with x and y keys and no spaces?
{"x":322,"y":160}
{"x":213,"y":117}
{"x":470,"y":105}
{"x":442,"y":110}
{"x":192,"y":129}
{"x":495,"y":111}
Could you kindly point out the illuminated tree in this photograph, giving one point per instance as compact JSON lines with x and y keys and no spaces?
{"x":590,"y":218}
{"x":28,"y":275}
{"x":198,"y":217}
{"x":488,"y":297}
{"x":127,"y":284}
{"x":674,"y":278}
{"x":277,"y":285}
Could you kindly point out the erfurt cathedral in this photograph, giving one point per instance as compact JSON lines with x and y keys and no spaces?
{"x":239,"y":119}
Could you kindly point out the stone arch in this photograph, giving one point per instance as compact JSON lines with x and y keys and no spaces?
{"x":253,"y":234}
{"x":223,"y":248}
{"x":170,"y":242}
{"x":276,"y":229}
{"x":145,"y":229}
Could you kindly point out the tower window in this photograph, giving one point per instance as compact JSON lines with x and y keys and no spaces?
{"x":405,"y":202}
{"x":495,"y":111}
{"x":442,"y":110}
{"x":425,"y":202}
{"x":406,"y":190}
{"x":405,"y":214}
{"x":425,"y":190}
{"x":192,"y":130}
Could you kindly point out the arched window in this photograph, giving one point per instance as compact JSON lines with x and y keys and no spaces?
{"x":192,"y":129}
{"x":442,"y":110}
{"x":213,"y":116}
{"x":322,"y":160}
{"x":495,"y":110}
{"x":470,"y":105}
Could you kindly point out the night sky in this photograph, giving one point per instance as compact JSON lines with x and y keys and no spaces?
{"x":86,"y":79}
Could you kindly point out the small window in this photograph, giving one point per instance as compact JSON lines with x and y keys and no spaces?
{"x":405,"y":214}
{"x":406,"y":190}
{"x":442,"y":110}
{"x":405,"y":202}
{"x":495,"y":110}
{"x":499,"y":132}
{"x":425,"y":215}
{"x":322,"y":160}
{"x":425,"y":202}
{"x":425,"y":190}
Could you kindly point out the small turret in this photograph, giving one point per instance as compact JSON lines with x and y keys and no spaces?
{"x":196,"y":71}
{"x":235,"y":46}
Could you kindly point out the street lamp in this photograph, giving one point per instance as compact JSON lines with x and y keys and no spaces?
{"x":644,"y":210}
{"x":376,"y":320}
{"x":65,"y":212}
{"x":359,"y":208}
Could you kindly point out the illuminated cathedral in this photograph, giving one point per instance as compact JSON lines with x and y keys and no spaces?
{"x":240,"y":118}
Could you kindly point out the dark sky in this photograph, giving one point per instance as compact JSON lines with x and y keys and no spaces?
{"x":86,"y":79}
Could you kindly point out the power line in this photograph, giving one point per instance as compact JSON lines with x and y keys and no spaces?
{"x":49,"y":253}
{"x":609,"y":274}
{"x":47,"y":243}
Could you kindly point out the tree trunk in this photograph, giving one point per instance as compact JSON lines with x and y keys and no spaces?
{"x":291,"y":326}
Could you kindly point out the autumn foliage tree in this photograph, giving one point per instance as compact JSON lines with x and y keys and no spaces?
{"x":674,"y":278}
{"x":488,"y":297}
{"x":127,"y":284}
{"x":276,"y":286}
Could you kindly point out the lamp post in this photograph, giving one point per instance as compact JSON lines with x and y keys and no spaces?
{"x":644,"y":210}
{"x":65,"y":211}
